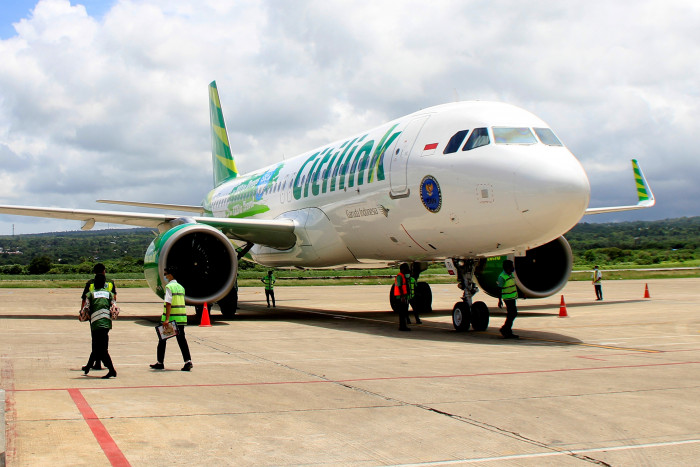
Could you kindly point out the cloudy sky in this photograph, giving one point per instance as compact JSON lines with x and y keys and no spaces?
{"x":108,"y":98}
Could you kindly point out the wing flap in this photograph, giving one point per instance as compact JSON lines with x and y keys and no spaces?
{"x":171,"y":207}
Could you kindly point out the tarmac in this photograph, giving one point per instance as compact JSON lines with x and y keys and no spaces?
{"x":326,"y":378}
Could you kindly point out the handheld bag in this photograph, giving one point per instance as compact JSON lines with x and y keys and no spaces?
{"x":166,"y":331}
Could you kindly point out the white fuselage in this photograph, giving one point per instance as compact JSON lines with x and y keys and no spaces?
{"x":392,"y":193}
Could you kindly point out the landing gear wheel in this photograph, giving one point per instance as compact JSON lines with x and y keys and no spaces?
{"x":229,"y":304}
{"x":424,"y":297}
{"x":198,"y":309}
{"x":461,"y":316}
{"x":480,"y":316}
{"x":393,"y":301}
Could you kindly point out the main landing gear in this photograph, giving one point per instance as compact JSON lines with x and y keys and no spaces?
{"x":466,"y":313}
{"x":423,"y":300}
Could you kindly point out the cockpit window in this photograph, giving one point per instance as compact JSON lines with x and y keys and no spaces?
{"x":547,"y":137}
{"x":455,"y":142}
{"x":478,"y":138}
{"x":513,"y":136}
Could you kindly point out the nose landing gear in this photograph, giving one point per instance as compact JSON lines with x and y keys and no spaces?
{"x":466,"y":313}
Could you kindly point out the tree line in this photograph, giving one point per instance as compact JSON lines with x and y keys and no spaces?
{"x":122,"y":250}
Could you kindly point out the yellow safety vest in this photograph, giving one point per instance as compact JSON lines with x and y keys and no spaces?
{"x":508,"y":291}
{"x":177,"y":306}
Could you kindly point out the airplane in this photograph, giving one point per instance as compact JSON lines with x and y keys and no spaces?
{"x":469,"y":183}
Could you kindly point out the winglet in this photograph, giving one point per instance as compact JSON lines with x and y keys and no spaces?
{"x":644,"y":194}
{"x":222,"y":159}
{"x":646,"y":197}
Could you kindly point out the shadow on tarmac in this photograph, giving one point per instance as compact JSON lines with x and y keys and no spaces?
{"x":385,"y":324}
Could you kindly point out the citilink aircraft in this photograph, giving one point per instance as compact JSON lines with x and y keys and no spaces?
{"x":467,"y":183}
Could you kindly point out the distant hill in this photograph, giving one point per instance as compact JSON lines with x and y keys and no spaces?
{"x":76,"y":247}
{"x":668,"y":234}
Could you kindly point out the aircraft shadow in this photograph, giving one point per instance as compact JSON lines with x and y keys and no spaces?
{"x":386,"y":324}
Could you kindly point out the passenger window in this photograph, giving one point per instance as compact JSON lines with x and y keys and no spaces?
{"x":505,"y":135}
{"x":455,"y":142}
{"x":547,"y":137}
{"x":478,"y":138}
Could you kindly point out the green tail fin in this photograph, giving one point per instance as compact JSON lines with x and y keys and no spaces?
{"x":222,"y":159}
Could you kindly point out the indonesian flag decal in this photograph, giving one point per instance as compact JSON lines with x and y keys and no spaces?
{"x":430,"y":147}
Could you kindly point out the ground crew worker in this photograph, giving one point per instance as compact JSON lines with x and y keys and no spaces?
{"x":174,"y":310}
{"x":401,"y":295}
{"x":509,"y":293}
{"x":100,"y":301}
{"x":598,"y":283}
{"x":412,"y":300}
{"x":269,"y":282}
{"x":98,"y":269}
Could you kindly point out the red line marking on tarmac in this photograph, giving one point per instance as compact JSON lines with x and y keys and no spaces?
{"x":388,"y":378}
{"x":109,"y":447}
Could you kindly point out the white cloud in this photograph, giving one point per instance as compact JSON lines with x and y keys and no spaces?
{"x":124,"y":95}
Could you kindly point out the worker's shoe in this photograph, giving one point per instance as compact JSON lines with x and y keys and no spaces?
{"x":158,"y":366}
{"x":188,"y":366}
{"x":110,"y":374}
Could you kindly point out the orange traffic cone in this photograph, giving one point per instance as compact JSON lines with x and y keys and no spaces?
{"x":562,"y":309}
{"x":646,"y":291}
{"x":204,"y":322}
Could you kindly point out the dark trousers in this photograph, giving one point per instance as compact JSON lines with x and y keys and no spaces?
{"x":511,"y":313}
{"x":414,"y":307}
{"x":402,"y":308}
{"x":268,"y":294}
{"x":100,"y":348}
{"x":598,"y":291}
{"x":181,"y":341}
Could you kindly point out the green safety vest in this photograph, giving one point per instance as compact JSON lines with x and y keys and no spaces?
{"x":411,"y":288}
{"x":508,"y":290}
{"x":269,"y":282}
{"x":100,"y":303}
{"x":177,"y":306}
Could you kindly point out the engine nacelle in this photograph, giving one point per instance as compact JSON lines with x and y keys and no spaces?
{"x":204,"y":258}
{"x":542,"y":272}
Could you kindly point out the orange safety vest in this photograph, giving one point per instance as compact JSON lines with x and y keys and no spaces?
{"x":400,"y":290}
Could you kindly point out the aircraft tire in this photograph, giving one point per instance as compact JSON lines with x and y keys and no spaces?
{"x":461,"y":316}
{"x":229,"y":305}
{"x":198,"y":309}
{"x":480,"y":316}
{"x":393,"y":301}
{"x":424,"y":297}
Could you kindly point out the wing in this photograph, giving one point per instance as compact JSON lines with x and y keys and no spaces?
{"x":646,"y":197}
{"x":275,"y":233}
{"x":172,"y":207}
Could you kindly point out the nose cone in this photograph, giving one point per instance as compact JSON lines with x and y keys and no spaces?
{"x":552,"y":193}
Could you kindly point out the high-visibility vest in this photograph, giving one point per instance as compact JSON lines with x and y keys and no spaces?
{"x":269,"y":282}
{"x":177,"y":306}
{"x":597,"y":276}
{"x":508,"y":291}
{"x":109,"y":285}
{"x":100,"y":303}
{"x":411,"y":287}
{"x":400,"y":289}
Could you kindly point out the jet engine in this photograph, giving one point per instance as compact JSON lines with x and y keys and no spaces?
{"x":542,"y":272}
{"x":203,"y":258}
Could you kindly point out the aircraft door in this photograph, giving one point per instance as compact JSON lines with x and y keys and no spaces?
{"x":400,"y":155}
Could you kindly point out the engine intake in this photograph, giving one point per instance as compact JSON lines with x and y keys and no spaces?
{"x":204,"y":259}
{"x":542,"y":272}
